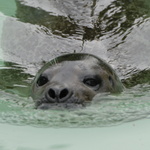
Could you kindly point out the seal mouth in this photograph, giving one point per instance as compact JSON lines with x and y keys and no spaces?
{"x":60,"y":106}
{"x":72,"y":103}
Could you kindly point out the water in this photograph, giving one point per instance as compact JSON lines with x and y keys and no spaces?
{"x":105,"y":110}
{"x":115,"y":30}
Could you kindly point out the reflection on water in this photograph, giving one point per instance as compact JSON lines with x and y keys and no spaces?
{"x":14,"y":79}
{"x":91,"y":21}
{"x":117,"y":30}
{"x":119,"y":18}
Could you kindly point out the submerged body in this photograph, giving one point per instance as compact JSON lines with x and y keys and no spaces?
{"x":73,"y":80}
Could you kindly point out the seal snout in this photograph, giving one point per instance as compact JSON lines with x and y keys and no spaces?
{"x":58,"y":95}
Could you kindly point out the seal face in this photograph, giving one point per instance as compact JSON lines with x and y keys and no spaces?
{"x":72,"y":80}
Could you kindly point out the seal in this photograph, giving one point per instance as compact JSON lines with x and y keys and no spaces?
{"x":72,"y":80}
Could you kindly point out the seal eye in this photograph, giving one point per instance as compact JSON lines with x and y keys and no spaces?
{"x":92,"y":82}
{"x":42,"y":80}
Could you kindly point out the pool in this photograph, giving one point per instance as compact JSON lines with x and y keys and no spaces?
{"x":115,"y":30}
{"x":133,"y":135}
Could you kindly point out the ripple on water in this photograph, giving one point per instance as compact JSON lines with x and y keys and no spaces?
{"x":105,"y":110}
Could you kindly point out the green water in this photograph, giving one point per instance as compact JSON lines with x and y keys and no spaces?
{"x":118,"y":31}
{"x":8,"y":7}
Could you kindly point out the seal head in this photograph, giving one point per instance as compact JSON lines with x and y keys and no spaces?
{"x":72,"y":80}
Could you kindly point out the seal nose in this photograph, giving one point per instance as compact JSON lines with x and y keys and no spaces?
{"x":59,"y":95}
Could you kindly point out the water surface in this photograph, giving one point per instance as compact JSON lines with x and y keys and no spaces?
{"x":33,"y":33}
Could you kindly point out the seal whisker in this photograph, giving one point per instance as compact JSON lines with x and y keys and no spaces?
{"x":55,"y":61}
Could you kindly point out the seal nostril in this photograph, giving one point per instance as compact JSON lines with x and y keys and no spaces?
{"x":58,"y":95}
{"x":63,"y":93}
{"x":52,"y":93}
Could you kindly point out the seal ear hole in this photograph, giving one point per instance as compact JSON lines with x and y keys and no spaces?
{"x":111,"y":80}
{"x":42,"y":80}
